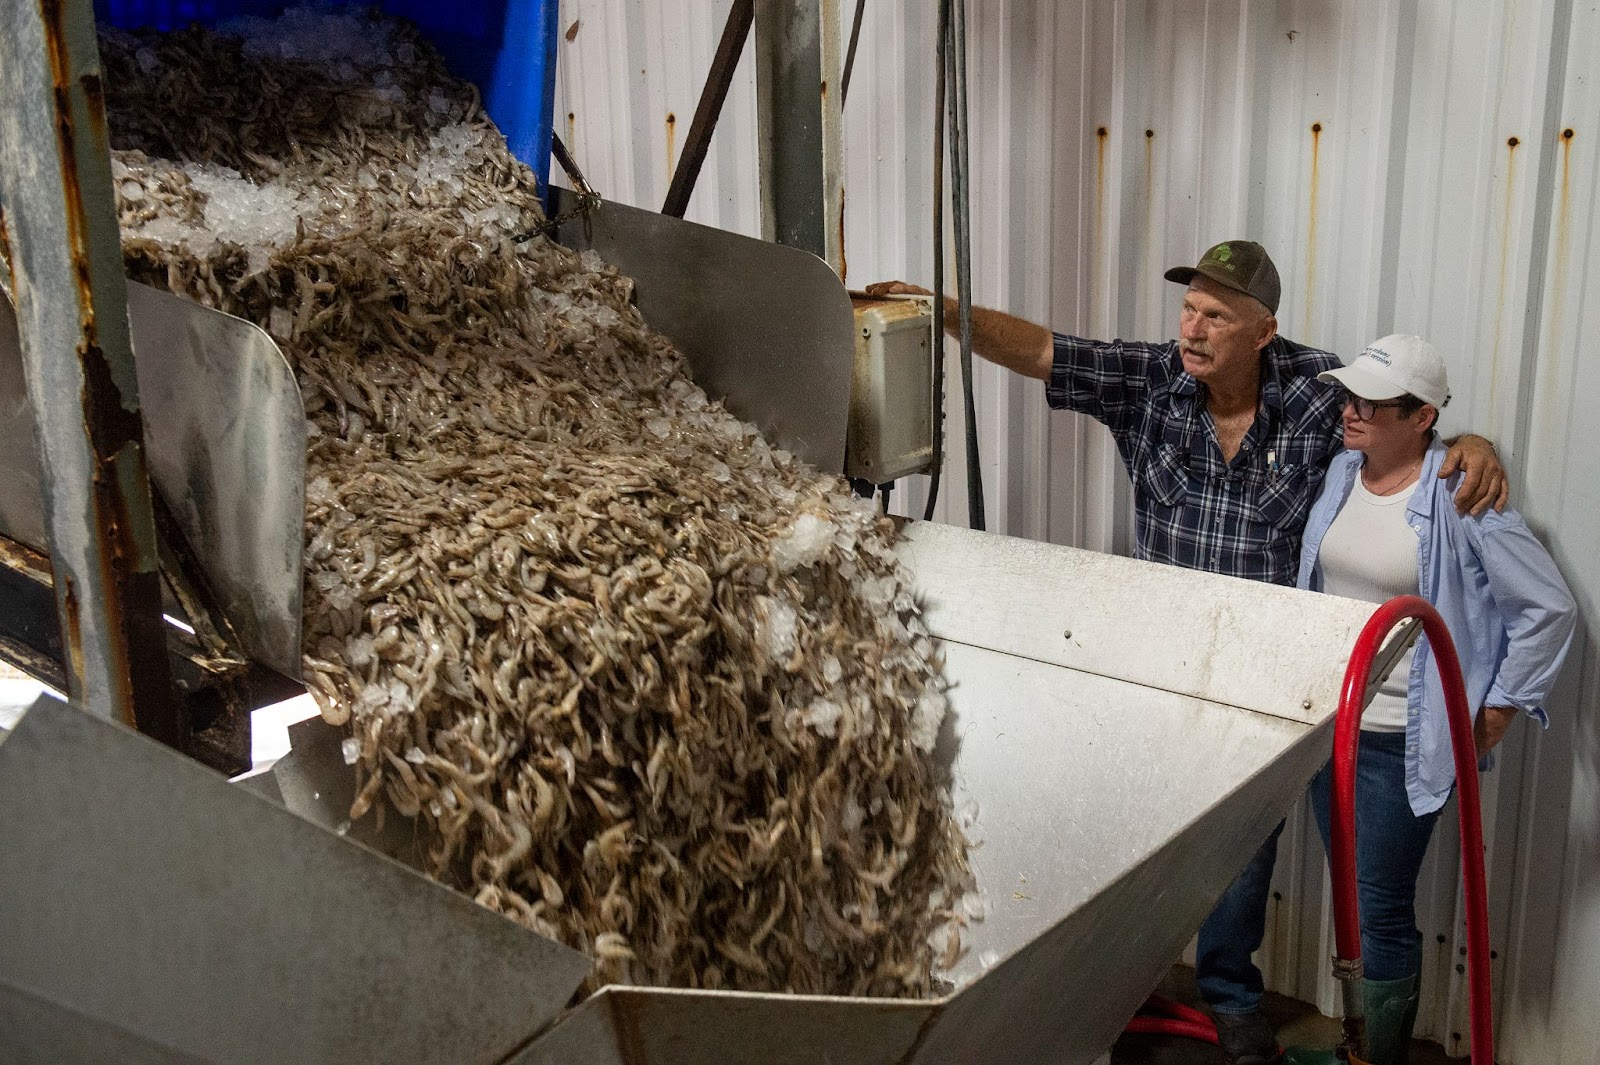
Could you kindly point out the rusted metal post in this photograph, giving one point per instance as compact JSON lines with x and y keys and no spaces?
{"x":798,"y":95}
{"x":58,"y":223}
{"x":718,"y":81}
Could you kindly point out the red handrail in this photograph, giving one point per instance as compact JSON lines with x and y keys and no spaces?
{"x":1342,"y":848}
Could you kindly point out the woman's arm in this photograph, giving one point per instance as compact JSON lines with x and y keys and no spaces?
{"x":1536,"y":607}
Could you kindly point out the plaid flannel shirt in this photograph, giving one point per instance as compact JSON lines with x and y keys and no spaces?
{"x":1243,"y":518}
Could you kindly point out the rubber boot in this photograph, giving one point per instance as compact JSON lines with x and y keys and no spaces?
{"x":1391,"y":1015}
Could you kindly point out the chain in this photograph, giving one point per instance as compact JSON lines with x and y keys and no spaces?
{"x":586,"y":202}
{"x":588,"y":199}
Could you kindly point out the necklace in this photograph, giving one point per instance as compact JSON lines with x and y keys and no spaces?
{"x":1393,"y":486}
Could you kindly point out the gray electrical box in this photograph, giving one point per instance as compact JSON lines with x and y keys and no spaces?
{"x":891,"y":396}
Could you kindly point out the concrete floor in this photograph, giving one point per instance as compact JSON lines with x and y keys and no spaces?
{"x":1298,"y":1023}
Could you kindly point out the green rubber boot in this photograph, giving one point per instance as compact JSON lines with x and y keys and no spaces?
{"x":1391,"y":1015}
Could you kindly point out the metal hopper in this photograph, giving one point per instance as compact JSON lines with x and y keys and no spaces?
{"x":1128,"y":732}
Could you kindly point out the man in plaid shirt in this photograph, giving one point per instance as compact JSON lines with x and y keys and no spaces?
{"x":1226,"y":434}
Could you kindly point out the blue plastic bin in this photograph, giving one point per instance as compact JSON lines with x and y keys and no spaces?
{"x":505,"y":47}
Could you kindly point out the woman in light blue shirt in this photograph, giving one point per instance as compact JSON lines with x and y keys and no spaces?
{"x":1385,"y":525}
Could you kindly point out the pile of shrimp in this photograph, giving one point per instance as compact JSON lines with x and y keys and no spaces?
{"x":648,"y":685}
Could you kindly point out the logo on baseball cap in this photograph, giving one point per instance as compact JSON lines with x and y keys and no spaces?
{"x":1242,"y":265}
{"x":1398,"y":365}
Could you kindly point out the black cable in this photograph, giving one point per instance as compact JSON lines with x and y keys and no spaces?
{"x":938,"y":264}
{"x":850,"y":53}
{"x":962,"y":216}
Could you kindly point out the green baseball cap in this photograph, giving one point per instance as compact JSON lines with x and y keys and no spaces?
{"x":1242,"y":265}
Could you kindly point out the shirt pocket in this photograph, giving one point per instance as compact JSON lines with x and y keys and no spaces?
{"x":1165,"y":475}
{"x":1282,"y":497}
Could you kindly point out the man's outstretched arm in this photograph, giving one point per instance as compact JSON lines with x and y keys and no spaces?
{"x":1004,"y":339}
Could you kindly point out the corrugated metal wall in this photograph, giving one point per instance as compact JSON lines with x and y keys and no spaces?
{"x":1410,"y":164}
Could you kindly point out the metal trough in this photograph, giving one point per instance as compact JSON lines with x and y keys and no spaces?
{"x":1128,"y":733}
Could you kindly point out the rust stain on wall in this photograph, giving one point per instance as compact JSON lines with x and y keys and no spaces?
{"x":1505,"y":259}
{"x":1563,"y":220}
{"x":1150,"y":235}
{"x":1101,"y":136}
{"x":844,"y":264}
{"x":1311,"y":229}
{"x":1149,"y":170}
{"x":672,"y":143}
{"x":1563,"y":249}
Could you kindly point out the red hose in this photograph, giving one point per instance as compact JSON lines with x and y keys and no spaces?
{"x":1342,"y":849}
{"x":1206,"y":1033}
{"x":1172,"y":1018}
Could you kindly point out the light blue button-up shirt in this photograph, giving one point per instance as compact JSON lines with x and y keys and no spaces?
{"x":1500,"y":595}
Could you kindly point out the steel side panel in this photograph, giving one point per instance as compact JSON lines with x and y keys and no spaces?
{"x":146,"y":892}
{"x":767,"y":329}
{"x":225,"y":436}
{"x":35,"y":1032}
{"x":227,"y":444}
{"x":21,"y":482}
{"x":1066,"y":781}
{"x":1065,"y":997}
{"x":665,"y":1026}
{"x":1276,"y":650}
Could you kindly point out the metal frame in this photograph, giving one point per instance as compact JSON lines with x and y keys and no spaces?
{"x":62,"y":244}
{"x":718,"y":80}
{"x":798,"y":102}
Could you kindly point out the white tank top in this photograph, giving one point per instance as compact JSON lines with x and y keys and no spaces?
{"x":1370,"y":553}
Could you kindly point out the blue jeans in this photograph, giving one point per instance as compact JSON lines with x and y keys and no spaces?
{"x":1224,"y":973}
{"x":1390,"y":844}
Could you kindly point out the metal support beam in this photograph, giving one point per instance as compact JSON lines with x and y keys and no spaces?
{"x":798,"y":110}
{"x":59,"y":236}
{"x":718,"y":80}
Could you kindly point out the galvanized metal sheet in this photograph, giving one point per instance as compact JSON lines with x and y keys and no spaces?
{"x":767,"y":329}
{"x":147,"y":893}
{"x":313,"y":781}
{"x":226,"y":439}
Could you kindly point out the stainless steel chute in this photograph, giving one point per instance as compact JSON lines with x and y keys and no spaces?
{"x":1128,"y":734}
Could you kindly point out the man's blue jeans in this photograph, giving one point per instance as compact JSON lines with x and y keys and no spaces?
{"x":1226,"y":976}
{"x":1390,"y":844}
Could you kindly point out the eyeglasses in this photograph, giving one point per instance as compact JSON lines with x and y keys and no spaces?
{"x":1364,"y":409}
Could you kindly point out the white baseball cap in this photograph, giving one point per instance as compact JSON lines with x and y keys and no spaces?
{"x":1395,"y":366}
